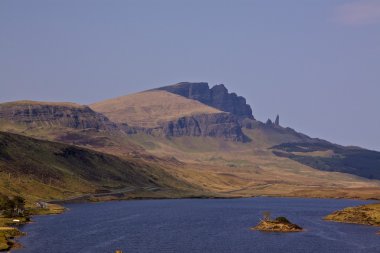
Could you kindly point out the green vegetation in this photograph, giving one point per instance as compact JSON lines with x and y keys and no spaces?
{"x":7,"y":234}
{"x":12,"y":206}
{"x":12,"y":211}
{"x":282,"y":219}
{"x":47,"y":170}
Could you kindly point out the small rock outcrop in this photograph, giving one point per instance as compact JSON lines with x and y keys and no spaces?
{"x":269,"y":122}
{"x":277,"y":121}
{"x":217,"y":97}
{"x":44,"y":114}
{"x":280,"y":224}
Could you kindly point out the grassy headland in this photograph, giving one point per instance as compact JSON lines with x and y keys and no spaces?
{"x":365,"y":214}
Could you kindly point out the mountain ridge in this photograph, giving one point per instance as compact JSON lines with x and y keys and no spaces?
{"x":216,"y":151}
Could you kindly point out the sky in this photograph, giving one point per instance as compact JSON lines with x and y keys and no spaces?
{"x":316,"y":63}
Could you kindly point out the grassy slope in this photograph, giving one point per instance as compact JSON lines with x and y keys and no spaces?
{"x":330,"y":157}
{"x":146,"y":109}
{"x":250,"y":169}
{"x":43,"y":169}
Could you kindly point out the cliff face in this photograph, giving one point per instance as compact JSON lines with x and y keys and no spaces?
{"x":217,"y":97}
{"x":45,"y":114}
{"x":222,"y":125}
{"x":218,"y":125}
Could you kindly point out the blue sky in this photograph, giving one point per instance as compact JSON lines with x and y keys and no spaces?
{"x":316,"y":63}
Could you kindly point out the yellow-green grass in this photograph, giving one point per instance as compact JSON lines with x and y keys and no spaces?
{"x":365,"y":214}
{"x":47,"y":170}
{"x":7,"y":234}
{"x":243,"y":170}
{"x":49,"y":210}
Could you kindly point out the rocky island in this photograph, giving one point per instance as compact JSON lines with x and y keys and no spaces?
{"x":280,"y":224}
{"x":365,"y":214}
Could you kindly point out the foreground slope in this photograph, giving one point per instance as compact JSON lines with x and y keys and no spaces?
{"x":43,"y":169}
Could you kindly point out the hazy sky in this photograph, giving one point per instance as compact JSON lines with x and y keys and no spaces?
{"x":314,"y":62}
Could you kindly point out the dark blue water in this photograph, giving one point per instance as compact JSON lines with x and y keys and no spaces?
{"x":183,"y":226}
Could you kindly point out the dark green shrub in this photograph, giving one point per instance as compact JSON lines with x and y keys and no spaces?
{"x":282,"y":219}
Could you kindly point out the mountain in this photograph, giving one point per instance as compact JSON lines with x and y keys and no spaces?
{"x":198,"y":140}
{"x":162,"y":113}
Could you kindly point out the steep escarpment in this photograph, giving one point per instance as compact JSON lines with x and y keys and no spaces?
{"x":223,"y":125}
{"x":218,"y":125}
{"x":217,"y":97}
{"x":46,"y":114}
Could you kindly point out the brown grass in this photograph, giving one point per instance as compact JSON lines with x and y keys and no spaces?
{"x":148,"y":108}
{"x":30,"y":102}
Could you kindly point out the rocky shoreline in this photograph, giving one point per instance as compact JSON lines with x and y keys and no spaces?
{"x":365,"y":215}
{"x":9,"y":231}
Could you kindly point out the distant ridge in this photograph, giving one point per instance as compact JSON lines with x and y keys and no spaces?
{"x":54,"y":114}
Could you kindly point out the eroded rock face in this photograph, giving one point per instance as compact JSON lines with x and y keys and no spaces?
{"x":218,"y":125}
{"x":36,"y":114}
{"x":222,"y":125}
{"x":217,"y":97}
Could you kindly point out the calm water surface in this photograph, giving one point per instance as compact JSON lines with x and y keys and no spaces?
{"x":183,"y":226}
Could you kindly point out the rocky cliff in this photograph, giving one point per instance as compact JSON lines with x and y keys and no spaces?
{"x":218,"y":125}
{"x":222,"y":125}
{"x":217,"y":97}
{"x":37,"y":114}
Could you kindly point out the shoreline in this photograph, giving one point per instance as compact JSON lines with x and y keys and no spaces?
{"x":112,"y":197}
{"x":12,"y":231}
